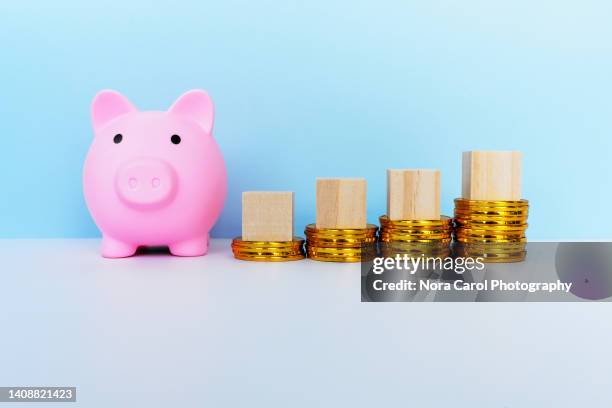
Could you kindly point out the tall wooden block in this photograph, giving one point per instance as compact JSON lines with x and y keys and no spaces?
{"x":413,"y":194}
{"x":491,"y":175}
{"x":341,"y":203}
{"x":267,"y":216}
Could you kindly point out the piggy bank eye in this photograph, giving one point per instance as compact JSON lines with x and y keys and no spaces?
{"x":176,"y":139}
{"x":118,"y":138}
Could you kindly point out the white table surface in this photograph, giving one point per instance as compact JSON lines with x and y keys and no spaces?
{"x":161,"y":331}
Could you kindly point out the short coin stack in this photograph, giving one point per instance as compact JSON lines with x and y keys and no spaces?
{"x":491,"y":218}
{"x":268,"y":251}
{"x":267,"y":228}
{"x":340,"y":244}
{"x":341,"y":233}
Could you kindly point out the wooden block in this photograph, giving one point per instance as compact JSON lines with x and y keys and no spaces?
{"x":413,"y":194}
{"x":341,"y":203}
{"x":267,"y":216}
{"x":491,"y":175}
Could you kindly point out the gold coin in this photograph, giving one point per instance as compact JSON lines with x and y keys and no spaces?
{"x":369,"y":231}
{"x":498,"y":229}
{"x":422,"y":235}
{"x":423,"y":229}
{"x":415,"y":249}
{"x":464,"y":203}
{"x":479,"y":233}
{"x":488,"y":257}
{"x":491,"y":240}
{"x":490,"y":222}
{"x":340,"y":242}
{"x":334,"y":254}
{"x":491,"y":212}
{"x":492,"y":248}
{"x":443,"y":222}
{"x":414,"y":239}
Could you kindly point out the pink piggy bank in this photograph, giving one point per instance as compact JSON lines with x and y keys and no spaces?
{"x":154,"y":178}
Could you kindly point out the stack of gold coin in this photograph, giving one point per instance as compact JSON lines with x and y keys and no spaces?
{"x":493,"y":230}
{"x":340,"y":244}
{"x":429,"y":237}
{"x":268,"y":251}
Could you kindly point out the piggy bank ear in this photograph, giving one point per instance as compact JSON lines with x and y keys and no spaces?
{"x":197,"y":106}
{"x":108,"y":105}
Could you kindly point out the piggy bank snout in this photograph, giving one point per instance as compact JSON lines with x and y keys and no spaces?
{"x":146,"y":183}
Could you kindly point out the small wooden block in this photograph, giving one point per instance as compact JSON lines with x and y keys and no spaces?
{"x":491,"y":175}
{"x":267,"y":216}
{"x":341,"y":203}
{"x":413,"y":194}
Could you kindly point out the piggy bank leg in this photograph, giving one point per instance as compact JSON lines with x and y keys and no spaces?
{"x":194,"y":247}
{"x":112,"y":248}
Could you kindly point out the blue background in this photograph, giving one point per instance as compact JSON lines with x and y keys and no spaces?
{"x":344,"y":88}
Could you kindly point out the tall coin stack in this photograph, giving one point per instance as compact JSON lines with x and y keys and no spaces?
{"x":341,"y":233}
{"x":267,"y":228}
{"x":413,"y":224}
{"x":491,"y":218}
